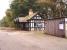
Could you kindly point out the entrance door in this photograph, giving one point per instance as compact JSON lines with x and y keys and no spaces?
{"x":24,"y":26}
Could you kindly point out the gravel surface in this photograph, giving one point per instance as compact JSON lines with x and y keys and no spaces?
{"x":24,"y":40}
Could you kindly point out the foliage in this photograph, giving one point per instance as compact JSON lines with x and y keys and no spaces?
{"x":8,"y":21}
{"x":48,"y":9}
{"x":21,"y":7}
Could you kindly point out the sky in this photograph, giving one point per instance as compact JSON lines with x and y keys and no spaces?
{"x":4,"y":5}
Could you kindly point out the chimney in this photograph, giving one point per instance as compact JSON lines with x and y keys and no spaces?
{"x":30,"y":12}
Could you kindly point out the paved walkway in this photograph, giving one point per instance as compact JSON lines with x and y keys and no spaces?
{"x":21,"y":40}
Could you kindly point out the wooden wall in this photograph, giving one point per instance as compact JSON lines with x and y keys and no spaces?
{"x":52,"y":27}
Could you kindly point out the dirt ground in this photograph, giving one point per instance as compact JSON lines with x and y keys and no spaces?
{"x":24,"y":40}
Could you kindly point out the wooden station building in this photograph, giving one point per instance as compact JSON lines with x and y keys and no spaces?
{"x":35,"y":22}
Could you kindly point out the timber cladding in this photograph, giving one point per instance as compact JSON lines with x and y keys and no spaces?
{"x":54,"y":27}
{"x":35,"y":22}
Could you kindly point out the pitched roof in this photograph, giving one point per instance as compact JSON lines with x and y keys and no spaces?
{"x":24,"y":19}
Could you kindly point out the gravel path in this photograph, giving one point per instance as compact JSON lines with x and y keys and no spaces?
{"x":21,"y":40}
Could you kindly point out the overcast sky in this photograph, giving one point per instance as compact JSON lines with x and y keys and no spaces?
{"x":4,"y":4}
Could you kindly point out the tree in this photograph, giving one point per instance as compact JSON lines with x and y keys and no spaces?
{"x":21,"y":7}
{"x":60,"y":6}
{"x":8,"y":19}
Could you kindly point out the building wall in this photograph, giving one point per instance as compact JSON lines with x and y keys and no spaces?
{"x":36,"y":25}
{"x":55,"y":27}
{"x":65,"y":27}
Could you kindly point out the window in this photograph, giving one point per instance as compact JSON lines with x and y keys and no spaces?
{"x":61,"y":25}
{"x":35,"y":18}
{"x":38,"y":24}
{"x":32,"y":20}
{"x":38,"y":17}
{"x":32,"y":24}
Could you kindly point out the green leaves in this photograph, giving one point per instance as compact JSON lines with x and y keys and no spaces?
{"x":21,"y":8}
